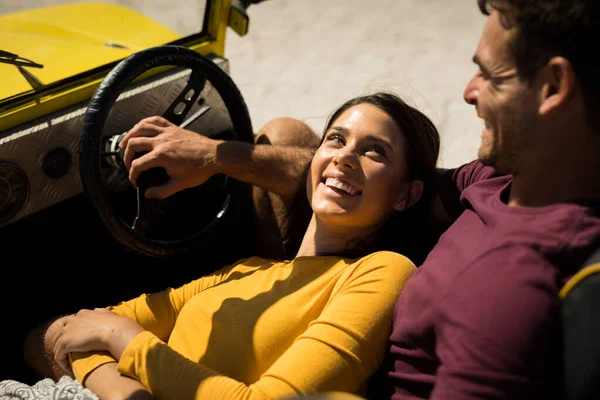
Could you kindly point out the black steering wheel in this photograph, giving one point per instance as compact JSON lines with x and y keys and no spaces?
{"x":182,"y":221}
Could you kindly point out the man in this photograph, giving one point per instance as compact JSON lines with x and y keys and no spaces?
{"x":479,"y":319}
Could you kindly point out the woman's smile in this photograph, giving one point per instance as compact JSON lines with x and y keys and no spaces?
{"x":338,"y":188}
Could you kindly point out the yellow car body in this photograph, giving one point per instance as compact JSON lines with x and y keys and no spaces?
{"x":79,"y":43}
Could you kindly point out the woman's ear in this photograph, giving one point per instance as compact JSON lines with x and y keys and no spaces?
{"x":410,"y":196}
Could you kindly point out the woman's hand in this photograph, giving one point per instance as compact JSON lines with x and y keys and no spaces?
{"x":94,"y":330}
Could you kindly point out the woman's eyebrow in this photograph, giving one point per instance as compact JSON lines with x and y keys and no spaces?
{"x":340,"y":129}
{"x":381,"y":141}
{"x":373,"y":138}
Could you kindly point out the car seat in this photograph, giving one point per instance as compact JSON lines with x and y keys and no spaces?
{"x":580,"y":315}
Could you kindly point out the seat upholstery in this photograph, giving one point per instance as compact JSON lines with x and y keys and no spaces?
{"x":580,"y":314}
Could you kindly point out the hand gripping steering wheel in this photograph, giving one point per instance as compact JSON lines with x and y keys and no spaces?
{"x":186,"y":219}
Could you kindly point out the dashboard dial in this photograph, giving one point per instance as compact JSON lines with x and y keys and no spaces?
{"x":14,"y":192}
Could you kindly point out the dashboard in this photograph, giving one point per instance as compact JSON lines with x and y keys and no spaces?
{"x":39,"y":162}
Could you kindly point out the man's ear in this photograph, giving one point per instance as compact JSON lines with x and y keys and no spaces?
{"x":410,"y":196}
{"x":558,"y":84}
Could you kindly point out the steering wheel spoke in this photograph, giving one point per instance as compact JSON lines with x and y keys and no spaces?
{"x":184,"y":102}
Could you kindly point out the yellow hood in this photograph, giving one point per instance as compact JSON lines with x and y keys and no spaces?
{"x":70,"y":39}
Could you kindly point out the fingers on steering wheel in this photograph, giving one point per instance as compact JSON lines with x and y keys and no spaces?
{"x":145,"y":127}
{"x":136,"y":145}
{"x":158,"y":120}
{"x":143,"y":163}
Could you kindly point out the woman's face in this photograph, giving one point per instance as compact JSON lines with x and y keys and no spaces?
{"x":358,"y":174}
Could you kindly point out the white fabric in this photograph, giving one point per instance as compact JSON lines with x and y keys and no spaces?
{"x":65,"y":389}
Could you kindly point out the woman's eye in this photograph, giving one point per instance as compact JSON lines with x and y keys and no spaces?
{"x":334,"y":137}
{"x":378,"y":150}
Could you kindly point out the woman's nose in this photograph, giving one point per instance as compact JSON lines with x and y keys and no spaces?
{"x":346,"y":159}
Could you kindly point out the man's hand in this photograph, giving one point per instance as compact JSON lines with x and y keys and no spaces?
{"x":188,"y":158}
{"x":191,"y":159}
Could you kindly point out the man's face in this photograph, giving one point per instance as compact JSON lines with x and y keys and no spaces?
{"x":505,"y":103}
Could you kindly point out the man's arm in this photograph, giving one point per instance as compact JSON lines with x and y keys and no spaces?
{"x":446,"y":205}
{"x":190,"y":159}
{"x":277,"y":169}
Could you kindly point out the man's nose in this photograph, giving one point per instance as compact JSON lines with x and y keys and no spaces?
{"x":471,"y":93}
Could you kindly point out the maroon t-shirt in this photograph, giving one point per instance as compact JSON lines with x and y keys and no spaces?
{"x":479,"y":318}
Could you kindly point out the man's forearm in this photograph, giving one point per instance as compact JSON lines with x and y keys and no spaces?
{"x":277,"y":169}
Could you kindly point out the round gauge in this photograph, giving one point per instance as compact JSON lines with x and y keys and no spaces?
{"x":14,"y":192}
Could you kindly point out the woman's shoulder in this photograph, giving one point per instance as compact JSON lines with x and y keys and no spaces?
{"x":382,"y":271}
{"x":256,"y":262}
{"x":388,"y":260}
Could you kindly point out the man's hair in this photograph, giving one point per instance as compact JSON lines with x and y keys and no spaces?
{"x":550,"y":28}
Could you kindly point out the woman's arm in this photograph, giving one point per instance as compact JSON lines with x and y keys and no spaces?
{"x":339,"y":350}
{"x":108,"y":384}
{"x":156,"y":313}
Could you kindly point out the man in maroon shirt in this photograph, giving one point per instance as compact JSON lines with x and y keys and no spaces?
{"x":479,"y":318}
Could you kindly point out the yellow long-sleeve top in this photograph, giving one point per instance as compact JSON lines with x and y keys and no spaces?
{"x":263,"y":329}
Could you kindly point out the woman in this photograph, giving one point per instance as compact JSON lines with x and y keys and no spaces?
{"x":268,"y":329}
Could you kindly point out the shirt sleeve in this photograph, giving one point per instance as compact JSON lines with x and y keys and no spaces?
{"x":339,"y":350}
{"x":454,"y":181}
{"x":156,"y":312}
{"x":498,"y":326}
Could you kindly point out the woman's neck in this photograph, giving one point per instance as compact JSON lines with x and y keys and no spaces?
{"x":322,"y":239}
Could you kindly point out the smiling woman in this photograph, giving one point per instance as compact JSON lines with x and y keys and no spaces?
{"x":263,"y":328}
{"x":380,"y":144}
{"x":359,"y":178}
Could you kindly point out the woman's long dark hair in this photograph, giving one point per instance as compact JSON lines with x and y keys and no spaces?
{"x":407,"y":232}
